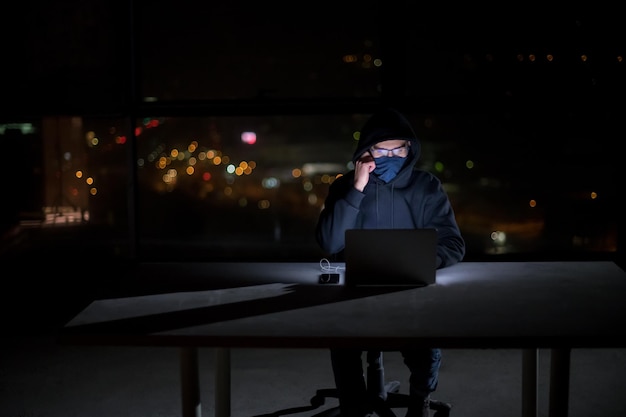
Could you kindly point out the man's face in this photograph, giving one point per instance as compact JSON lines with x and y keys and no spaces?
{"x":392,"y":147}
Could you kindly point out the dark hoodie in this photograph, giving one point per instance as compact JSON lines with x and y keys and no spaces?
{"x":413,"y":199}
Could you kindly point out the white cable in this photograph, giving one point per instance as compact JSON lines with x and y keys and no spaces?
{"x":325,"y":266}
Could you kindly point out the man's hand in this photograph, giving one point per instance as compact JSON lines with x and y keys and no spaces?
{"x":364,"y":165}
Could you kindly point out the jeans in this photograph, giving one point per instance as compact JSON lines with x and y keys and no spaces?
{"x":423,"y":365}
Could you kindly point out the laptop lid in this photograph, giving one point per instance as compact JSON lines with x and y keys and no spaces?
{"x":390,"y":257}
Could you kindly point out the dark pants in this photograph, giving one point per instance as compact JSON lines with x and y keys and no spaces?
{"x":353,"y":388}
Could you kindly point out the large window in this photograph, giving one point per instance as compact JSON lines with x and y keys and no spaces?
{"x":186,"y":131}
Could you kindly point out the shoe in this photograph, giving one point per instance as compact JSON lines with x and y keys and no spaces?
{"x":418,"y":407}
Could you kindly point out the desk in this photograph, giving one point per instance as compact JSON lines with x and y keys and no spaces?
{"x":520,"y":305}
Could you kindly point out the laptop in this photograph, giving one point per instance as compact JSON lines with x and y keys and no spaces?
{"x":390,"y":257}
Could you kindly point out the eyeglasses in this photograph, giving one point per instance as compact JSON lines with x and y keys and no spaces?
{"x":401,"y":151}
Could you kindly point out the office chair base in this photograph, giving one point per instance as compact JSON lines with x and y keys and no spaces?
{"x":394,"y":400}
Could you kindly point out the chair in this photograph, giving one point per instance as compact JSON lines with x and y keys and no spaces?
{"x":383,"y":408}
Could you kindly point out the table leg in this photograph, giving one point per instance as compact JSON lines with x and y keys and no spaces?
{"x":530,"y":364}
{"x":559,"y":382}
{"x":190,"y":382}
{"x":222,"y":382}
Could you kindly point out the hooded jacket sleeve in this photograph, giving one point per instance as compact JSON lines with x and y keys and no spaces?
{"x":439,"y":214}
{"x":340,"y":212}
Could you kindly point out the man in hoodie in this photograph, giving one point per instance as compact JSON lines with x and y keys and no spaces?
{"x":386,"y":191}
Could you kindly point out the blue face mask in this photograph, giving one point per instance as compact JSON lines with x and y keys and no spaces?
{"x":388,"y":167}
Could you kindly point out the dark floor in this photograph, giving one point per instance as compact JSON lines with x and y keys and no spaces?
{"x":40,"y":378}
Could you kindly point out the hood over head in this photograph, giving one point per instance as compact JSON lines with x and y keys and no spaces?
{"x":386,"y":125}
